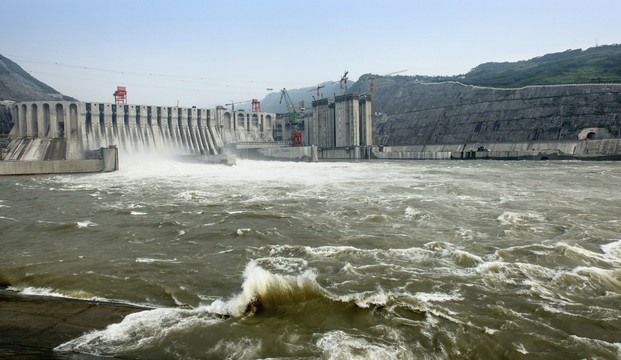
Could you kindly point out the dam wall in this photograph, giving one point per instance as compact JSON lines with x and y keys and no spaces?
{"x":603,"y":149}
{"x":106,"y":160}
{"x":578,"y":147}
{"x":414,"y":113}
{"x":65,"y":130}
{"x":240,"y":126}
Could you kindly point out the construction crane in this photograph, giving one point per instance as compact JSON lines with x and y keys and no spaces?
{"x":232,"y":104}
{"x":372,"y":96}
{"x":317,"y":88}
{"x":344,"y":80}
{"x":294,"y":117}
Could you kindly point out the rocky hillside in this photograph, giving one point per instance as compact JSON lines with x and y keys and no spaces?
{"x":414,"y":113}
{"x":17,"y":85}
{"x":504,"y":102}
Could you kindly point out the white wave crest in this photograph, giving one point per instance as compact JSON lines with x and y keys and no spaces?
{"x":500,"y":274}
{"x":151,"y":260}
{"x":601,"y":278}
{"x":515,"y":218}
{"x":241,"y":232}
{"x":467,"y":259}
{"x":85,"y":224}
{"x":341,"y":345}
{"x":415,"y":214}
{"x":437,"y":297}
{"x":139,"y":331}
{"x":244,"y":348}
{"x":73,"y":294}
{"x":587,"y":342}
{"x":283,"y":264}
{"x":613,"y":249}
{"x":262,"y":288}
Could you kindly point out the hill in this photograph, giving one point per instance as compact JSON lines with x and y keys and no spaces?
{"x":595,"y":65}
{"x":600,"y":64}
{"x":17,"y":85}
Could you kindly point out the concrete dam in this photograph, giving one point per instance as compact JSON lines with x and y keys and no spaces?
{"x":413,"y":121}
{"x":66,"y":130}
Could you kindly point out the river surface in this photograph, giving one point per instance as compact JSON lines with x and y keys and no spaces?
{"x":330,"y":260}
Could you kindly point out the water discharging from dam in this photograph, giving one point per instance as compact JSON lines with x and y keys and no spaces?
{"x":67,"y":130}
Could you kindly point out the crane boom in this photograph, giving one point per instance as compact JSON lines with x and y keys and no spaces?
{"x":232,"y":103}
{"x":293,"y":113}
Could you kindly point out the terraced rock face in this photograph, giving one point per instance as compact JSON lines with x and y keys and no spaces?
{"x":413,"y":113}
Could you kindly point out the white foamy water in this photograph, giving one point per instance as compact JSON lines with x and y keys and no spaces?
{"x":371,"y":260}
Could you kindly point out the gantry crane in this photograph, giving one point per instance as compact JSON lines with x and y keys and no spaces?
{"x":120,"y":95}
{"x":256,"y":105}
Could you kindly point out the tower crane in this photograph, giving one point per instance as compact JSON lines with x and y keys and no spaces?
{"x":232,"y":104}
{"x":319,"y":86}
{"x":344,"y":80}
{"x":372,"y":91}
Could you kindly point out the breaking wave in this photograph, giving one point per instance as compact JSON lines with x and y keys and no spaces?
{"x":289,"y":289}
{"x":264,"y":290}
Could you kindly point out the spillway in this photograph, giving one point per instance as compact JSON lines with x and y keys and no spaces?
{"x":64,"y":130}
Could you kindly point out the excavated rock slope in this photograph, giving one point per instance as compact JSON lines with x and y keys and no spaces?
{"x":452,"y":113}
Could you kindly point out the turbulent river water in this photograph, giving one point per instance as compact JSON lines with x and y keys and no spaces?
{"x":332,"y":260}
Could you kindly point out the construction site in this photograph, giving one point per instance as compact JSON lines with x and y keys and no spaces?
{"x":78,"y":135}
{"x":63,"y":131}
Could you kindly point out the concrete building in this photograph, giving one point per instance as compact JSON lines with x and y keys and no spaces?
{"x":341,"y":123}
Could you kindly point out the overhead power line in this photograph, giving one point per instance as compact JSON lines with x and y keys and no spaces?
{"x":138,"y":83}
{"x":199,"y":79}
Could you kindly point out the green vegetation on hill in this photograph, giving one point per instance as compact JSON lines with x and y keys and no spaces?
{"x":595,"y":65}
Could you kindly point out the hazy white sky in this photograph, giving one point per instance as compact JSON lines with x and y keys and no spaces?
{"x":207,"y":53}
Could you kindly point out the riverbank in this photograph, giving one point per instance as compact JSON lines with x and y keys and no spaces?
{"x":31,"y":326}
